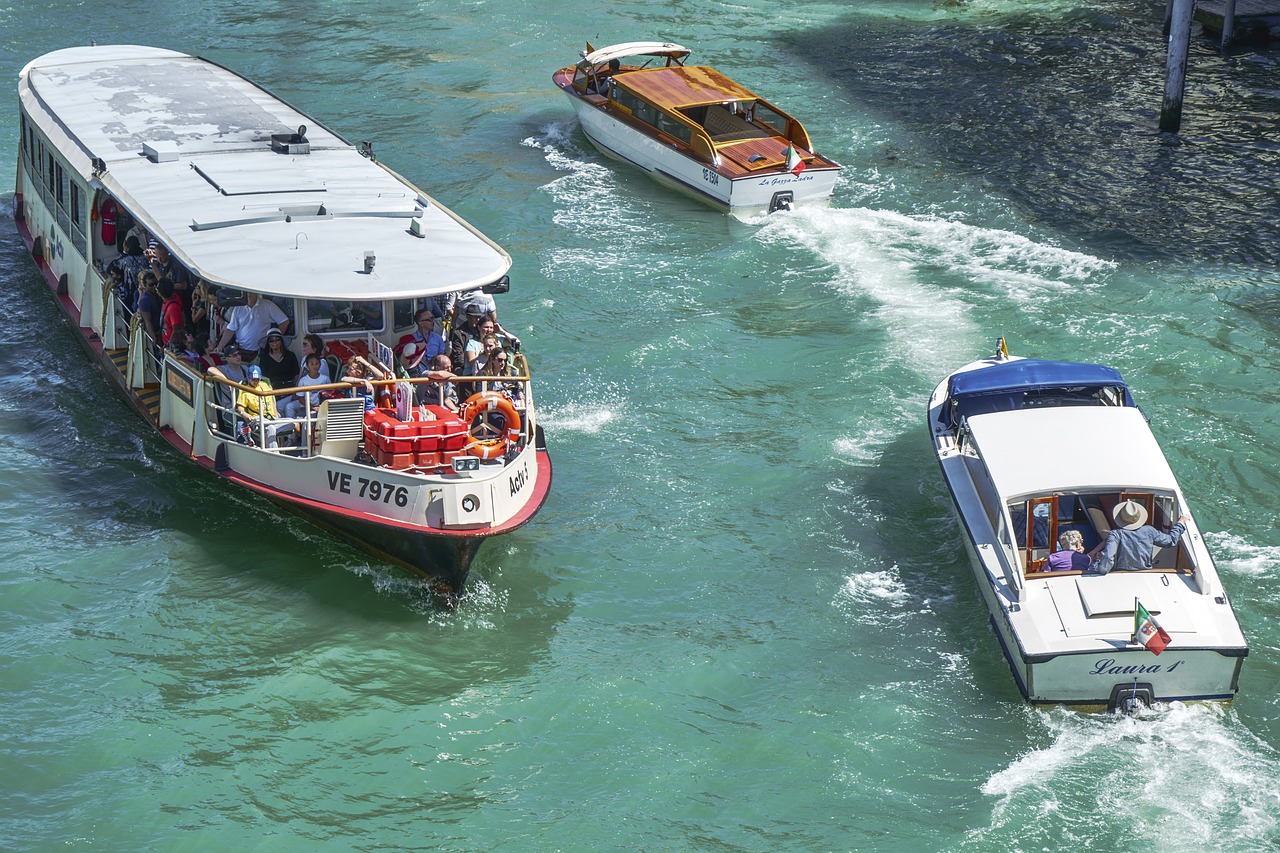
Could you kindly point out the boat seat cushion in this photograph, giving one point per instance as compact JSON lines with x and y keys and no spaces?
{"x":726,"y":127}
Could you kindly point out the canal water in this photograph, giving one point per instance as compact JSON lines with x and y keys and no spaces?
{"x":744,"y":619}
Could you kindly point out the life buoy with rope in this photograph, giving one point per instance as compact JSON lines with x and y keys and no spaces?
{"x":489,"y":439}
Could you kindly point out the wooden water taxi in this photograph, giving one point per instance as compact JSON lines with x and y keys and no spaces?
{"x":692,"y":128}
{"x":1037,"y":452}
{"x":252,"y":202}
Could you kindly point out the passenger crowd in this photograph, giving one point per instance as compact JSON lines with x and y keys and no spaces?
{"x":455,"y":335}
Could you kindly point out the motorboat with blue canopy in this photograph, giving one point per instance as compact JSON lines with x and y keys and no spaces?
{"x":1042,"y":456}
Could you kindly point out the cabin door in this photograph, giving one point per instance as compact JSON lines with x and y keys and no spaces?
{"x":1041,"y":532}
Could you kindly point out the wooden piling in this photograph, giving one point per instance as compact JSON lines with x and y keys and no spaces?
{"x":1175,"y":74}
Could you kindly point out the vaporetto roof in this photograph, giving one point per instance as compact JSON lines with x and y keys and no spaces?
{"x":228,"y":206}
{"x":1071,"y":448}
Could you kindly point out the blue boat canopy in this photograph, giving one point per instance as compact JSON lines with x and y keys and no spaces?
{"x":1030,"y":382}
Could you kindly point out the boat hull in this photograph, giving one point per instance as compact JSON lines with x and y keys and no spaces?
{"x":673,"y":168}
{"x":1088,"y":679}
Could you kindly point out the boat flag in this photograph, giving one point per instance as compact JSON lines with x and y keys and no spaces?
{"x":1147,"y":631}
{"x":794,"y":164}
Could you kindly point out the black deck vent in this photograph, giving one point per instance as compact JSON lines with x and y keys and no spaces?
{"x":291,"y":143}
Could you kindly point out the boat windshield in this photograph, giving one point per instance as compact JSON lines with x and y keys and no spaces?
{"x":1032,"y":383}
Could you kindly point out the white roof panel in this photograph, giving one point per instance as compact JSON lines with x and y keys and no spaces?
{"x":1074,"y":448}
{"x":230,"y":208}
{"x":636,"y":48}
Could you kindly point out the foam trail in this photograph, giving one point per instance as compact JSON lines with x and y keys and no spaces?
{"x":585,"y":417}
{"x":1235,"y":555}
{"x":1184,"y":777}
{"x":588,"y":189}
{"x":924,"y":321}
{"x":877,"y":255}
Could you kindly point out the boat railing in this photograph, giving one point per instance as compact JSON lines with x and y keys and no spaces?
{"x":226,"y":422}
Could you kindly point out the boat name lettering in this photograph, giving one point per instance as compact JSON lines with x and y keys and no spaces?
{"x":1107,"y":666}
{"x":711,"y":176}
{"x":374,"y":490}
{"x":778,"y":180}
{"x":518,"y":480}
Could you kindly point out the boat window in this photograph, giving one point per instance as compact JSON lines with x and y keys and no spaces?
{"x":76,"y":211}
{"x":344,"y":316}
{"x":61,"y":189}
{"x":775,"y":120}
{"x":402,"y":314}
{"x":670,"y":126}
{"x":638,"y":108}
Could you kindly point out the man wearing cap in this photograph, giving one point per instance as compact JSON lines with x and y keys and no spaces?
{"x":464,"y":333}
{"x":464,"y":308}
{"x":250,"y":322}
{"x":1131,"y":545}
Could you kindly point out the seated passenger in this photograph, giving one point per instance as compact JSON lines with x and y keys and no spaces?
{"x":425,"y":335}
{"x":314,"y":344}
{"x":258,"y":410}
{"x":439,"y":392}
{"x":1130,"y":546}
{"x":354,"y":375}
{"x":599,"y":83}
{"x":1070,"y":556}
{"x":296,"y":406}
{"x":498,"y":365}
{"x":279,"y":365}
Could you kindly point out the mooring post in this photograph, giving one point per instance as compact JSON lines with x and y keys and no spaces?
{"x":1228,"y":23}
{"x":1175,"y":72}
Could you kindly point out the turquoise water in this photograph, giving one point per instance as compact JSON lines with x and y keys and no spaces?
{"x":744,"y":619}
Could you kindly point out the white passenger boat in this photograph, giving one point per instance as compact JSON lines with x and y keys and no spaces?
{"x":1030,"y":449}
{"x":250,"y":196}
{"x":694,"y":129}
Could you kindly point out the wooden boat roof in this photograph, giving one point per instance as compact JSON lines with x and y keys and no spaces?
{"x":1073,"y":448}
{"x":681,"y":87}
{"x":230,"y":208}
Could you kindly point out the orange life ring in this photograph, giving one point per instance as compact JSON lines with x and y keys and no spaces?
{"x":488,"y":441}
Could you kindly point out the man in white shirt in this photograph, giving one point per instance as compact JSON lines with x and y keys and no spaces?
{"x":249,"y":323}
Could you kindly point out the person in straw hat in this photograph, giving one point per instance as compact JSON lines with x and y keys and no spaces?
{"x":1131,"y":544}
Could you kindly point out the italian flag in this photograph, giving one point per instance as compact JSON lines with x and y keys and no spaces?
{"x":794,"y":164}
{"x":1147,"y":631}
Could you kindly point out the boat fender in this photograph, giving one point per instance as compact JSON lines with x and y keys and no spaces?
{"x":478,"y":405}
{"x":37,"y":249}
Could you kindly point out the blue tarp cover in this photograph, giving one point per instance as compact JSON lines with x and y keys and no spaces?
{"x":1032,"y":374}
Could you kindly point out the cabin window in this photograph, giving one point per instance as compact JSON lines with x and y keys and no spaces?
{"x":344,"y":316}
{"x":580,"y":78}
{"x":671,"y":127}
{"x":775,"y":120}
{"x":61,"y":189}
{"x":76,"y":211}
{"x":402,"y":314}
{"x":645,"y":112}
